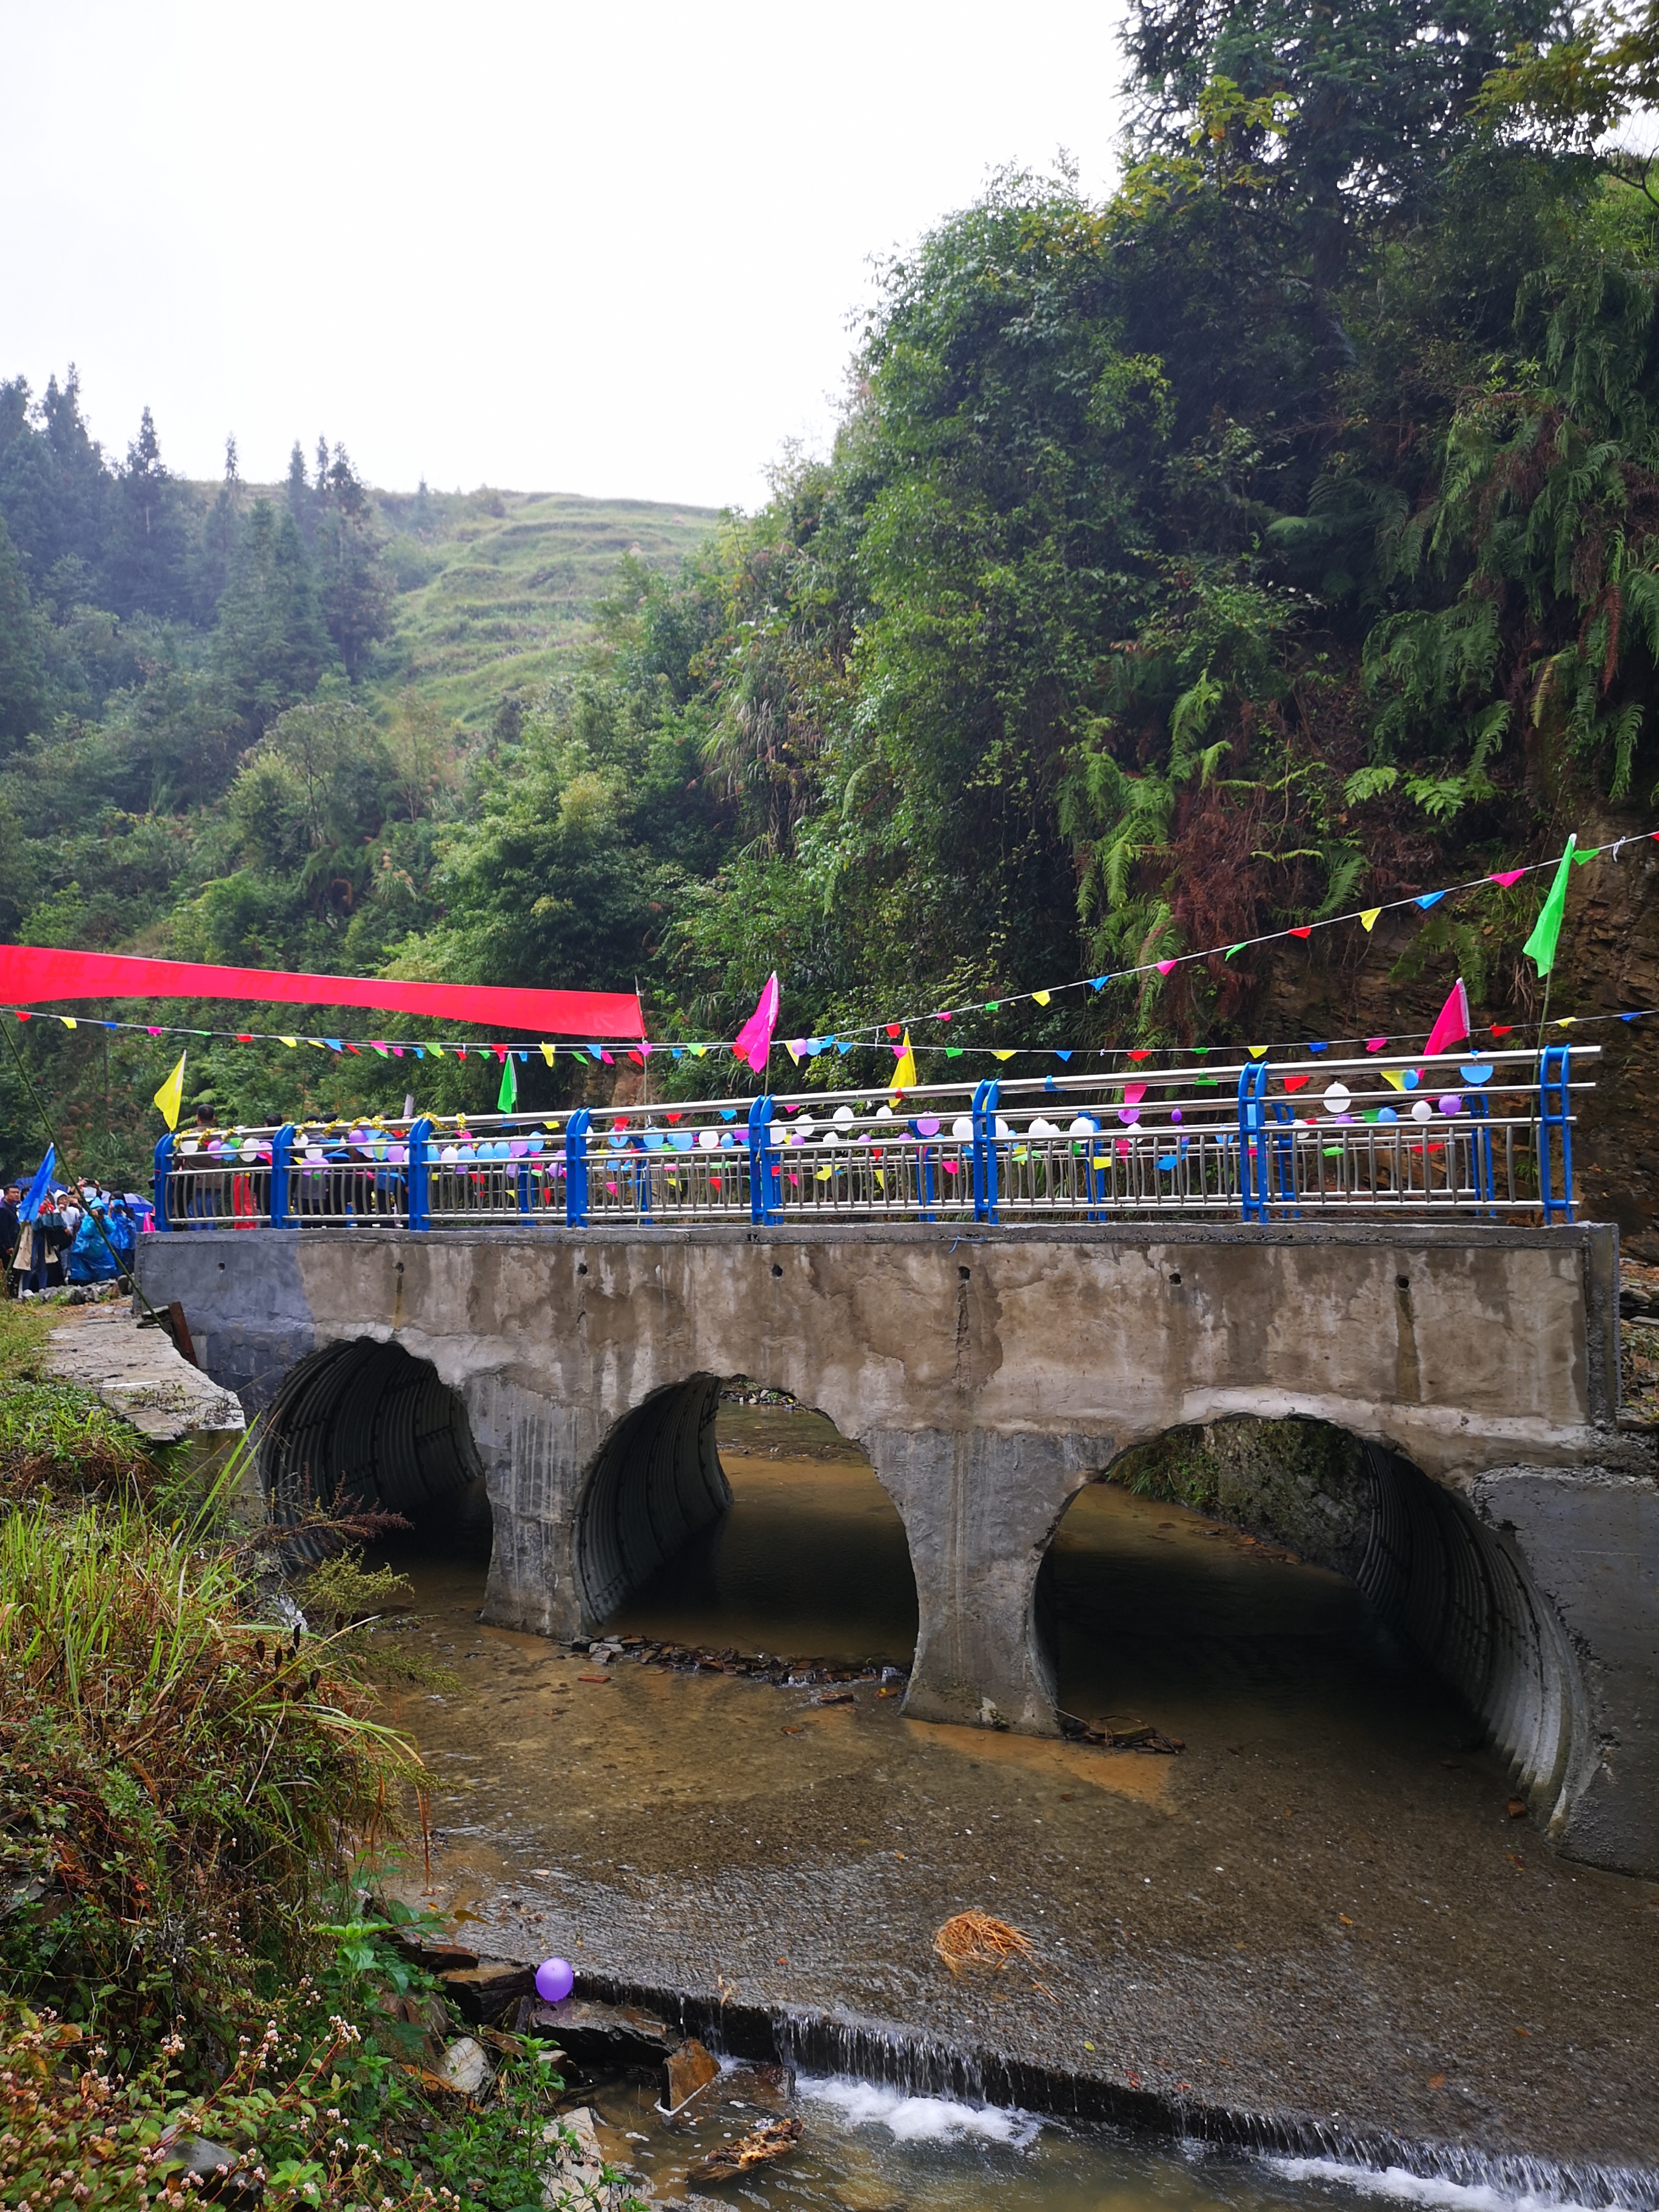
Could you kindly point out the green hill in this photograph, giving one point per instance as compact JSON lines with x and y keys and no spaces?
{"x":495,"y":589}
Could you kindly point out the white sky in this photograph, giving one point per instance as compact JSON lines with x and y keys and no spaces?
{"x":598,"y":248}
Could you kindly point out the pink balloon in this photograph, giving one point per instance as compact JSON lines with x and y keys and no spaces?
{"x":555,"y":1979}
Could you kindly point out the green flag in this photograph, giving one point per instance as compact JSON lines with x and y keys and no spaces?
{"x":1539,"y":947}
{"x":506,"y":1100}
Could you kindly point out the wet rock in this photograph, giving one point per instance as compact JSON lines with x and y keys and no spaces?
{"x":465,"y":2066}
{"x":689,"y":2068}
{"x":574,"y":2178}
{"x":484,"y":1993}
{"x":603,"y":2035}
{"x":219,"y":2173}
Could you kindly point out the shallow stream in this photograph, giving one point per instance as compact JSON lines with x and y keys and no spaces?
{"x":1320,"y":1907}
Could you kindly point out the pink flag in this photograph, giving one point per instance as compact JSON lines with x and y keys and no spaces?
{"x":1452,"y":1026}
{"x":1508,"y":876}
{"x":754,"y":1039}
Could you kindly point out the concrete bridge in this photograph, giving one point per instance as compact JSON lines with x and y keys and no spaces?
{"x":1492,"y":1508}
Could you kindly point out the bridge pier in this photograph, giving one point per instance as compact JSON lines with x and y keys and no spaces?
{"x":988,"y":1375}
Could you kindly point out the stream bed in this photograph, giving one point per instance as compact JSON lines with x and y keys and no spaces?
{"x":1319,"y":1912}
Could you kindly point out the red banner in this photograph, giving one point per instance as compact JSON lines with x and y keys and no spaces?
{"x":29,"y":973}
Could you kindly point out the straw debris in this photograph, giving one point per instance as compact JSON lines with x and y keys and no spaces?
{"x":975,"y":1939}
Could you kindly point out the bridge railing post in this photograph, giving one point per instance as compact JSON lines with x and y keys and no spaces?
{"x":575,"y":1167}
{"x":159,"y":1186}
{"x":1253,"y":1183}
{"x":765,"y":1195}
{"x":420,"y":1173}
{"x":281,"y":1151}
{"x":1554,"y":1112}
{"x":984,"y":1115}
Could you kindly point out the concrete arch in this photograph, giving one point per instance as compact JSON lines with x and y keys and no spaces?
{"x":654,"y":1482}
{"x":359,"y":1425}
{"x":1450,"y":1586}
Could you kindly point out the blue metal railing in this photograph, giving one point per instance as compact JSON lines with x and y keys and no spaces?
{"x":1384,"y":1136}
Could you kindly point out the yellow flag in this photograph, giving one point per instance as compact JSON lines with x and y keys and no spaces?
{"x":1256,"y":1051}
{"x":171,"y":1096}
{"x":1368,"y":919}
{"x":68,"y":1020}
{"x":549,"y":1052}
{"x":1006,"y":1051}
{"x":1390,"y":1076}
{"x":905,"y":1075}
{"x":293,"y":1043}
{"x":1041,"y":997}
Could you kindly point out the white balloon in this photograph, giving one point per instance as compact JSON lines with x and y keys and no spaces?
{"x":962,"y":1128}
{"x":843,"y":1115}
{"x":1421,"y":1111}
{"x":1338,"y":1098}
{"x":883,"y":1112}
{"x":708,"y":1139}
{"x":1083,"y":1126}
{"x":1041,"y":1128}
{"x":829,"y":1137}
{"x":1003,"y":1129}
{"x":804,"y":1125}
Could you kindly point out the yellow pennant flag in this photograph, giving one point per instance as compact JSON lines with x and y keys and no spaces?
{"x":1368,"y":919}
{"x":1003,"y":1052}
{"x":1041,"y":997}
{"x":170,"y":1097}
{"x":293,"y":1043}
{"x":68,"y":1020}
{"x":1389,"y":1075}
{"x":550,"y":1052}
{"x":905,"y":1075}
{"x":1256,"y":1051}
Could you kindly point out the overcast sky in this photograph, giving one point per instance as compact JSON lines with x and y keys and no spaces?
{"x":599,"y":249}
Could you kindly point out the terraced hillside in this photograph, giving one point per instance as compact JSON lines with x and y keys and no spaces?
{"x":496,"y":589}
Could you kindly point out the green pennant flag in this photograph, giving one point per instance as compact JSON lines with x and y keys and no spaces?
{"x":506,"y":1099}
{"x":1539,"y":947}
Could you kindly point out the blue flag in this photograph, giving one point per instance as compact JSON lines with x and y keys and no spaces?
{"x":40,"y":1184}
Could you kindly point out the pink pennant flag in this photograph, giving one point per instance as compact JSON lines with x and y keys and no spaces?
{"x":1165,"y":966}
{"x":1508,"y":876}
{"x":754,"y":1039}
{"x":1452,"y":1026}
{"x":1375,"y":1044}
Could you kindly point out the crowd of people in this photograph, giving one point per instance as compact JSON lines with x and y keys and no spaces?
{"x":75,"y":1233}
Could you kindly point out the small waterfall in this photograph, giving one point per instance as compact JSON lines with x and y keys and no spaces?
{"x":896,"y":2057}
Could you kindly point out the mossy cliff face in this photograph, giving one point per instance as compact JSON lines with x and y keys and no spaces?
{"x":1304,"y":1483}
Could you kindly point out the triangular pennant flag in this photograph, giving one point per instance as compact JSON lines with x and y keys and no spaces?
{"x":905,"y":1075}
{"x":1041,"y":997}
{"x":1232,"y":949}
{"x":1375,"y":1044}
{"x":171,"y":1096}
{"x":1307,"y":931}
{"x":1368,"y":919}
{"x":1426,"y":899}
{"x":1165,"y":967}
{"x":754,"y":1039}
{"x":1003,"y":1052}
{"x":1451,"y":1024}
{"x":293,"y":1043}
{"x":1393,"y":1075}
{"x":1582,"y":860}
{"x":1508,"y":878}
{"x":1539,"y":947}
{"x":69,"y":1021}
{"x":1256,"y":1051}
{"x":550,"y":1052}
{"x":793,"y":1046}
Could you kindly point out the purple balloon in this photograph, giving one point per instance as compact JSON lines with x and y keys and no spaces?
{"x":1452,"y":1103}
{"x":555,"y":1979}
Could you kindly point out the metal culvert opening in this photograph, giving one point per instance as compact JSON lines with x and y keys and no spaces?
{"x":656,"y":1482}
{"x":1451,"y":1591}
{"x":364,"y":1426}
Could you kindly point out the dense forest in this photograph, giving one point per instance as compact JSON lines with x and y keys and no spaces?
{"x":1276,"y":536}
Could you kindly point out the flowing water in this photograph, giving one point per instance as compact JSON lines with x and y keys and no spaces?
{"x":1318,"y":1906}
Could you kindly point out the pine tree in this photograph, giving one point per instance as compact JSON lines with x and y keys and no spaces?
{"x":270,"y":642}
{"x":145,"y":564}
{"x":356,"y":596}
{"x":22,"y":679}
{"x":215,"y":548}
